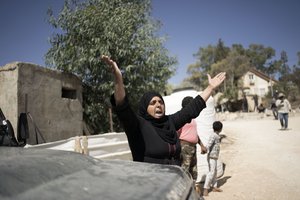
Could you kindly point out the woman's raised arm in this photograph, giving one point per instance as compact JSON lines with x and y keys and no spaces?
{"x":119,"y":86}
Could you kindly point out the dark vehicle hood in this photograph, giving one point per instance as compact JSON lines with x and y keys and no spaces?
{"x":52,"y":174}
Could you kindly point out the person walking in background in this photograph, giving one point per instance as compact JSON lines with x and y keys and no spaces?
{"x":189,"y":138}
{"x":273,"y":105}
{"x":283,"y":107}
{"x":152,"y":135}
{"x":213,"y":147}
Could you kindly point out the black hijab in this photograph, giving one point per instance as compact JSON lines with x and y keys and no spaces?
{"x":162,"y":125}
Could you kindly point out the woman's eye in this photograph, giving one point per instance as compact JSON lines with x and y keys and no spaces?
{"x":156,"y":101}
{"x":152,"y":102}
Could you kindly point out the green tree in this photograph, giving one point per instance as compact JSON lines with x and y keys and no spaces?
{"x":284,"y":67}
{"x":213,"y":59}
{"x":195,"y":76}
{"x":197,"y":71}
{"x":235,"y":61}
{"x":205,"y":58}
{"x":295,"y":77}
{"x":259,"y":55}
{"x":221,"y":51}
{"x":122,"y":29}
{"x":235,"y":65}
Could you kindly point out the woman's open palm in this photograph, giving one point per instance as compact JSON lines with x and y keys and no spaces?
{"x":217,"y":80}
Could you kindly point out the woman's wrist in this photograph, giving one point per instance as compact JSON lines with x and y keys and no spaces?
{"x":210,"y":88}
{"x":207,"y":92}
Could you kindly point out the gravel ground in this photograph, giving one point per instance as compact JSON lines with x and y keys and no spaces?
{"x":262,"y":161}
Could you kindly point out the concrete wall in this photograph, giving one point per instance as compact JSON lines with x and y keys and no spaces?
{"x":52,"y":98}
{"x":8,"y":93}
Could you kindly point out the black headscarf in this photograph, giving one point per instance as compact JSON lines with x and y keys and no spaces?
{"x":162,"y":125}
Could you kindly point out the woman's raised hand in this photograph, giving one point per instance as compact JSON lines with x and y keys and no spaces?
{"x":213,"y":83}
{"x":119,"y":87}
{"x":113,"y":65}
{"x":217,"y":80}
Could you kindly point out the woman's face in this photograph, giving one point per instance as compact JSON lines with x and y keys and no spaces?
{"x":156,"y":107}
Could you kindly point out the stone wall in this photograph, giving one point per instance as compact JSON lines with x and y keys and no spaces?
{"x":51,"y":98}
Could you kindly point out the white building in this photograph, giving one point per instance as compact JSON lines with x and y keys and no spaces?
{"x":256,"y":83}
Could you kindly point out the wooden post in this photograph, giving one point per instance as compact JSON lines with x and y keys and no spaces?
{"x":85,"y":145}
{"x":77,"y":145}
{"x":110,"y":120}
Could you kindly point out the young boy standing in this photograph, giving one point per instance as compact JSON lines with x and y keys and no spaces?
{"x":213,"y":148}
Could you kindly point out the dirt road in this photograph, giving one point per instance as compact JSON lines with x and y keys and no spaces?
{"x":262,"y":162}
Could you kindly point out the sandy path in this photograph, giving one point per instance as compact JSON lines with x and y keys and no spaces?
{"x":262,"y":162}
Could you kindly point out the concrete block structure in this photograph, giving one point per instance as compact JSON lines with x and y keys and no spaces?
{"x":52,"y":100}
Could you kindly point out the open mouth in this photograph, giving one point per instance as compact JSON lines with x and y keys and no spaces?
{"x":158,"y":113}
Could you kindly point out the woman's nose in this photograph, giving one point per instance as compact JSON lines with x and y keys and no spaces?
{"x":159,"y":104}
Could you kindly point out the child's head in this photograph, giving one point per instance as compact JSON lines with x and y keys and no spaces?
{"x":186,"y":100}
{"x":217,"y":126}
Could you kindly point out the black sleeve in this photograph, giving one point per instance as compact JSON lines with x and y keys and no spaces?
{"x":130,"y":122}
{"x":189,"y":112}
{"x":126,"y":116}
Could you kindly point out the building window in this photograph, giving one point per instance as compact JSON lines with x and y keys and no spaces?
{"x":68,"y":93}
{"x":251,"y":78}
{"x":262,"y":91}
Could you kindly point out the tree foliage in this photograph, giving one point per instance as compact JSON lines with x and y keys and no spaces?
{"x":236,"y":61}
{"x":206,"y":57}
{"x":235,"y":66}
{"x":259,"y":55}
{"x":121,"y":29}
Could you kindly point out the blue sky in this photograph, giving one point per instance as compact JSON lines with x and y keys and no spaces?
{"x":189,"y":25}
